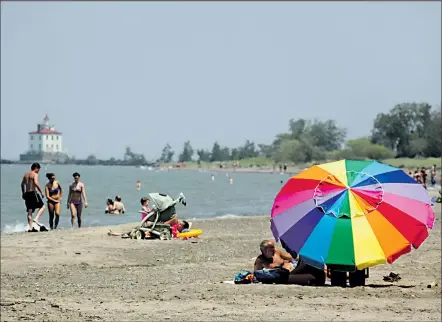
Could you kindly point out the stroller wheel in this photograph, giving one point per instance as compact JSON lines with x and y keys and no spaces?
{"x":165,"y":234}
{"x":139,"y":234}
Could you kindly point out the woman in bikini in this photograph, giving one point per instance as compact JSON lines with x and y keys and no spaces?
{"x":77,"y":194}
{"x":54,"y":193}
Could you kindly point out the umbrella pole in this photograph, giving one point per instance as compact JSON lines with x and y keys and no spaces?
{"x":339,"y":277}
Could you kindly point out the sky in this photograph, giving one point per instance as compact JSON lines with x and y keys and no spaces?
{"x":143,"y":74}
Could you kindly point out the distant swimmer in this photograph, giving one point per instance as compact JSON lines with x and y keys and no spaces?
{"x":230,"y":180}
{"x":33,"y":200}
{"x":138,"y":185}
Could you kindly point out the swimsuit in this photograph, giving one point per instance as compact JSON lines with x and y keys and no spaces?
{"x":76,"y":189}
{"x":53,"y":192}
{"x":33,"y":200}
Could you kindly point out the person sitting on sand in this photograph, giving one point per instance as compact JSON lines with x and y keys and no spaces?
{"x":297,"y":273}
{"x":166,"y":217}
{"x":180,"y":227}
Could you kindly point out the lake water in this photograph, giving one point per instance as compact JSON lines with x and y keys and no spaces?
{"x":250,"y":193}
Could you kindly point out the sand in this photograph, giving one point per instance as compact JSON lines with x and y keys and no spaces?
{"x":85,"y":275}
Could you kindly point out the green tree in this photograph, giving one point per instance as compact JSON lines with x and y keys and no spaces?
{"x":298,"y":128}
{"x":289,"y":150}
{"x":307,"y":141}
{"x":404,"y":128}
{"x":248,"y":150}
{"x":216,"y":152}
{"x":128,"y":154}
{"x":187,"y":153}
{"x":433,"y":135}
{"x":203,"y":155}
{"x":166,"y":154}
{"x":92,"y":160}
{"x":225,"y":154}
{"x":266,"y":150}
{"x":326,"y":135}
{"x":234,"y":154}
{"x":363,"y":148}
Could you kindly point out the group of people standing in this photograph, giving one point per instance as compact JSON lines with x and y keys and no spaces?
{"x":422,"y":175}
{"x":33,"y":196}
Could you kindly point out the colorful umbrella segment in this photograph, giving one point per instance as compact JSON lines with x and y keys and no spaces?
{"x":351,"y":214}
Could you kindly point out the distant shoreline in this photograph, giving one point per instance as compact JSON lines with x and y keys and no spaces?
{"x":217,"y":169}
{"x":405,"y":164}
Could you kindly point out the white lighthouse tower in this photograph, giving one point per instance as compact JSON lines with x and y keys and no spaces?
{"x":45,"y":144}
{"x":46,"y":138}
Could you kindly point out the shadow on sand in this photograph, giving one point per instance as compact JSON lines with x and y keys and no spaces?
{"x":389,"y":285}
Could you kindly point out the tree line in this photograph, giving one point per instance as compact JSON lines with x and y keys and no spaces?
{"x":407,"y":130}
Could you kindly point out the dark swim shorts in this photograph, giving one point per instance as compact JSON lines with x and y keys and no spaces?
{"x":33,"y":201}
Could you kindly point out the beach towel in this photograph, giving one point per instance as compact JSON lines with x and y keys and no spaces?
{"x":244,"y":277}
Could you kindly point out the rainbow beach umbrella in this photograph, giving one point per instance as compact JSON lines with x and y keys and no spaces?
{"x":351,"y":214}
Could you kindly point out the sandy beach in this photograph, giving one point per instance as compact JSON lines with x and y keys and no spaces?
{"x":86,"y":275}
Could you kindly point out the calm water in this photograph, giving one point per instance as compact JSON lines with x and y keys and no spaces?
{"x":250,"y":193}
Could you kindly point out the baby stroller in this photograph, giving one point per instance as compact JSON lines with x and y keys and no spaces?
{"x":163,"y":210}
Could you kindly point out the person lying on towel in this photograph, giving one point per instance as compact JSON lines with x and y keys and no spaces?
{"x":277,"y":266}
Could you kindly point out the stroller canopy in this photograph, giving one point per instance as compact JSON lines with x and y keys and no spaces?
{"x":162,"y":201}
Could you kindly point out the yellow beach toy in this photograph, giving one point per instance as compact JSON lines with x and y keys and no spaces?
{"x":193,"y":233}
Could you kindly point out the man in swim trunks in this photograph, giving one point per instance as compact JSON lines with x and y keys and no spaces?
{"x":33,"y":200}
{"x":301,"y":274}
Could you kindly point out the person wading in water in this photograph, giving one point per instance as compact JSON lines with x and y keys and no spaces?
{"x":33,"y":200}
{"x":54,"y":192}
{"x":77,"y":195}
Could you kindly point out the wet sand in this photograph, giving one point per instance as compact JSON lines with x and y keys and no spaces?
{"x":86,"y":275}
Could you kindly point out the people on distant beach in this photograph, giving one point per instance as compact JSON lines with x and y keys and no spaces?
{"x":33,"y":200}
{"x":230,"y":180}
{"x":54,"y":193}
{"x":424,"y":176}
{"x":285,"y":167}
{"x":433,"y":175}
{"x":291,"y":270}
{"x":212,"y":177}
{"x":76,"y":198}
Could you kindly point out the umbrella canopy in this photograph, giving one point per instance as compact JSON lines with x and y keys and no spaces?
{"x":351,"y":214}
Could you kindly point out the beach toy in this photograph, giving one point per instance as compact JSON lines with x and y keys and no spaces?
{"x":351,"y":215}
{"x":193,"y":233}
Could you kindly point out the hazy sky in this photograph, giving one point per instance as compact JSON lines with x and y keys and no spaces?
{"x":113,"y":74}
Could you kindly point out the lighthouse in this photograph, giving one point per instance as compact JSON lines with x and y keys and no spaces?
{"x":44,"y":144}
